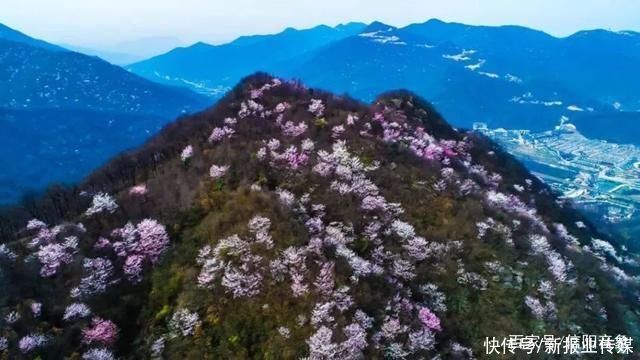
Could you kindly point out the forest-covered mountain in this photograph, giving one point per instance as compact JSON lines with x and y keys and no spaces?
{"x":36,"y":78}
{"x":505,"y":76}
{"x":63,"y":113}
{"x":288,"y":222}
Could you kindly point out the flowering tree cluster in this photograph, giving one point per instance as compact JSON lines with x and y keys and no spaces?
{"x":282,"y":107}
{"x":31,"y":342}
{"x":12,"y":317}
{"x":429,"y":319}
{"x":557,"y":265}
{"x":513,"y":205}
{"x":218,"y":171}
{"x":102,"y":202}
{"x":184,"y":322}
{"x":146,"y":241}
{"x":186,"y":154}
{"x":76,"y":311}
{"x":36,"y":309}
{"x":375,"y":247}
{"x":316,"y":107}
{"x":233,"y":262}
{"x":35,"y":224}
{"x":251,"y":108}
{"x":396,"y":128}
{"x":534,"y":305}
{"x":350,"y":178}
{"x":99,"y":274}
{"x":257,"y":93}
{"x":98,"y":354}
{"x":293,"y":157}
{"x":226,"y":132}
{"x":138,"y":190}
{"x":6,"y":253}
{"x":488,"y":180}
{"x":55,"y":249}
{"x":100,"y":331}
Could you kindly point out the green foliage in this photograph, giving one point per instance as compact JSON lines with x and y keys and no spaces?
{"x":320,"y":123}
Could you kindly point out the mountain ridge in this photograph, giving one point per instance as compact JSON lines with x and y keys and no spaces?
{"x":558,"y":76}
{"x":10,"y":34}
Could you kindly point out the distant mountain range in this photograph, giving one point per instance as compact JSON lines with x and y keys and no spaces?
{"x":506,"y":76}
{"x":63,"y":113}
{"x":213,"y":69}
{"x":128,"y":52}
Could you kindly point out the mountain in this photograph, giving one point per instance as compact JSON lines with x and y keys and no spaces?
{"x":114,"y":57}
{"x":619,"y":127}
{"x":67,"y":113}
{"x":287,"y":222}
{"x":449,"y":75}
{"x":146,"y":47}
{"x":213,"y":69}
{"x":42,"y":146}
{"x":507,"y":76}
{"x":35,"y":78}
{"x":593,"y":64}
{"x":9,"y":34}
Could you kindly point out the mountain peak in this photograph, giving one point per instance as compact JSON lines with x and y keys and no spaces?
{"x":378,"y":26}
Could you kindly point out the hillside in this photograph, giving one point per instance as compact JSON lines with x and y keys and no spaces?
{"x":33,"y":77}
{"x":45,"y":145}
{"x":287,"y":222}
{"x":63,"y":113}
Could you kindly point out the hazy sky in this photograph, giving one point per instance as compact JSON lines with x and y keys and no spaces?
{"x":101,"y":22}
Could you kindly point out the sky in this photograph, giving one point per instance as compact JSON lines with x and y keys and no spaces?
{"x":101,"y":23}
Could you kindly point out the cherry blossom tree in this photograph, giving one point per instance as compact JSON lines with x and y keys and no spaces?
{"x":186,"y":154}
{"x":35,"y":224}
{"x":294,"y":130}
{"x":36,"y":309}
{"x":7,"y":253}
{"x":102,"y":202}
{"x":76,"y":311}
{"x":535,"y":306}
{"x":429,"y":319}
{"x":98,"y":354}
{"x":146,"y":241}
{"x":52,"y":257}
{"x":316,"y":107}
{"x":355,"y":342}
{"x":100,"y":331}
{"x":138,"y":190}
{"x":31,"y":342}
{"x":184,"y":322}
{"x":98,"y":276}
{"x":217,"y":171}
{"x":321,"y":345}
